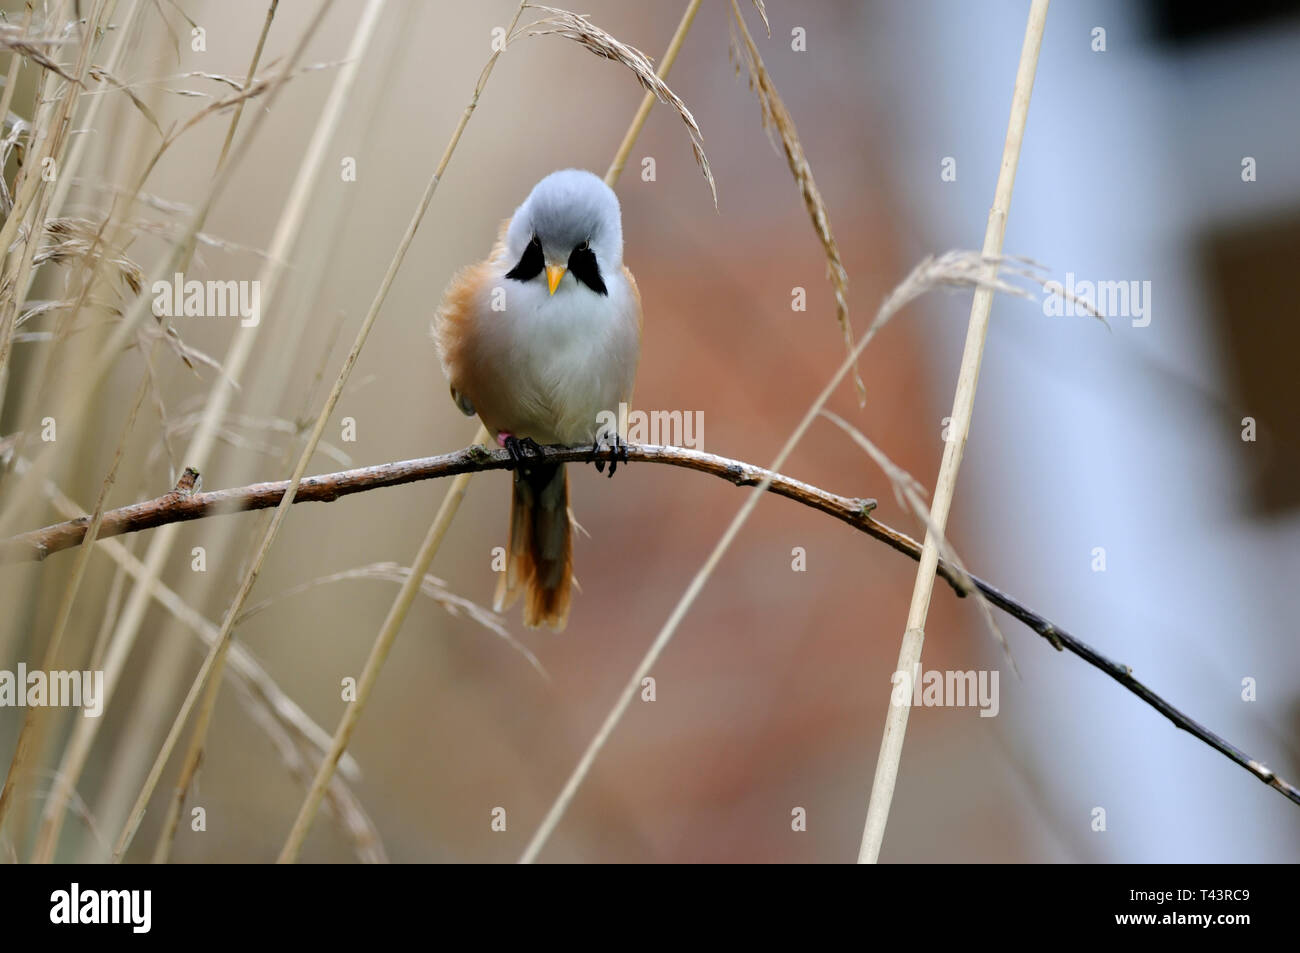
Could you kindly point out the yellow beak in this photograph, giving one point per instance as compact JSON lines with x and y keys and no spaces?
{"x":553,"y":275}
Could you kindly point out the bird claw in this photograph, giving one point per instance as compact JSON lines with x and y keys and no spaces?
{"x":520,"y":449}
{"x":617,"y":448}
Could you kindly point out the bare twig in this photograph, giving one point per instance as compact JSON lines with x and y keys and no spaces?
{"x":856,"y":512}
{"x":178,"y":506}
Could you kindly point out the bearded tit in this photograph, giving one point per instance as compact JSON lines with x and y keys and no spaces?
{"x":539,"y":341}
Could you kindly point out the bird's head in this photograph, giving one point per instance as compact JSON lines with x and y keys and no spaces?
{"x":568,"y":225}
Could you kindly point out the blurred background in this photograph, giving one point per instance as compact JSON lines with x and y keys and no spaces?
{"x":773,"y":693}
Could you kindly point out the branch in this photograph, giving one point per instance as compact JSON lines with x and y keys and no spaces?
{"x":183,"y":504}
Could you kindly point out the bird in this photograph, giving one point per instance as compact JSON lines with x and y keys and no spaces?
{"x":542,"y":340}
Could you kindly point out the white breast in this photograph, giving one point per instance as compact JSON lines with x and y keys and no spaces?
{"x":560,"y":360}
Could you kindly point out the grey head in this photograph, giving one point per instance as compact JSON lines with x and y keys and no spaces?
{"x":569,"y":222}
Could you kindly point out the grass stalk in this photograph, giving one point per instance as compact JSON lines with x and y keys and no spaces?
{"x":909,"y":656}
{"x":79,"y":745}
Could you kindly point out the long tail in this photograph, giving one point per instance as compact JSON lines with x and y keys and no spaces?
{"x":539,"y":559}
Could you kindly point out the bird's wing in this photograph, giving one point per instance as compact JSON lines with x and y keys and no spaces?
{"x":455,"y":325}
{"x":455,"y":322}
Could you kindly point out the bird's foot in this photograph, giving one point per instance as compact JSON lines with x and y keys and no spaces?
{"x":520,"y":449}
{"x":615,"y":445}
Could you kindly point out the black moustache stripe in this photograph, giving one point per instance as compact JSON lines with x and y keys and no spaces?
{"x":583,"y":266}
{"x":530,"y":264}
